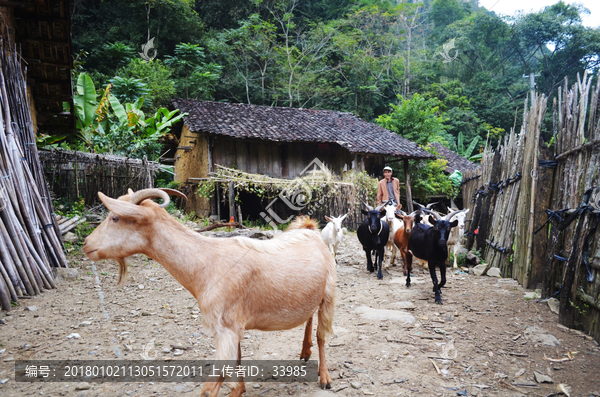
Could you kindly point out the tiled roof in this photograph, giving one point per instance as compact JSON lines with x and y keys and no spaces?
{"x":295,"y":125}
{"x":455,"y":161}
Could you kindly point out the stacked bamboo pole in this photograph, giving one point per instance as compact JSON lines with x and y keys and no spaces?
{"x":29,"y":241}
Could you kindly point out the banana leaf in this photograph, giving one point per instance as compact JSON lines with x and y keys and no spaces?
{"x":85,"y":102}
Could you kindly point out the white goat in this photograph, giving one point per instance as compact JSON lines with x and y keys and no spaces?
{"x":394,"y":224}
{"x":333,"y":233}
{"x":239,"y":283}
{"x":457,"y":233}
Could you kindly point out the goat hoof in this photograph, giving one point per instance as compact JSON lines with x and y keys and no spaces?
{"x":325,"y":386}
{"x":380,"y":277}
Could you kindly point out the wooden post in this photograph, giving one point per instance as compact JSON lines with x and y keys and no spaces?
{"x":214,"y":201}
{"x":409,"y":201}
{"x":568,"y":293}
{"x":209,"y":157}
{"x":147,"y":168}
{"x":542,"y":201}
{"x":218,"y":199}
{"x":488,"y":208}
{"x":475,"y":219}
{"x":240,"y":217}
{"x":231,"y":201}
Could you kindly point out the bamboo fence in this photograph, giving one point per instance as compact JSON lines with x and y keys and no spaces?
{"x":30,"y":241}
{"x":529,"y":191}
{"x":72,"y":174}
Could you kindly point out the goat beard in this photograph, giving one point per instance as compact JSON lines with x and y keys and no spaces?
{"x":122,"y":270}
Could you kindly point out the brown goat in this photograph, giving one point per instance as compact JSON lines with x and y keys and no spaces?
{"x":239,"y":283}
{"x":401,"y":238}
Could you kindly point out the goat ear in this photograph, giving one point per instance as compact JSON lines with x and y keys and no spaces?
{"x":364,"y":212}
{"x":328,"y":219}
{"x":454,"y":223}
{"x":399,"y":207}
{"x":123,"y":209}
{"x":432,"y":220}
{"x":399,"y":216}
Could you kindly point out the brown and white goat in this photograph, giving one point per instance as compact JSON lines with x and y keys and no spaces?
{"x":239,"y":283}
{"x":394,"y":224}
{"x":401,"y":238}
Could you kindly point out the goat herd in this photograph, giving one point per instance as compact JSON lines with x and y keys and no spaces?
{"x":278,"y":284}
{"x":425,"y":239}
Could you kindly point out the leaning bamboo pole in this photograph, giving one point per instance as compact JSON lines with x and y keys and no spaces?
{"x":30,"y":242}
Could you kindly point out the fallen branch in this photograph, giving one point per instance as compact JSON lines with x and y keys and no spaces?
{"x":436,"y":367}
{"x":570,"y":357}
{"x":218,"y":225}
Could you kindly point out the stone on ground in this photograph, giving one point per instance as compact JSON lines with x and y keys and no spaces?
{"x":383,"y":314}
{"x":540,"y":335}
{"x":494,"y":272}
{"x":479,"y":269}
{"x":554,"y":305}
{"x":541,"y":378}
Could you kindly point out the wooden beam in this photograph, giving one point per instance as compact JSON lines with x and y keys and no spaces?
{"x":409,"y":200}
{"x":56,"y":65}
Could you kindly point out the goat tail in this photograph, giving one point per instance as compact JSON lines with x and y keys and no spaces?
{"x":122,"y":270}
{"x":327,"y":308}
{"x":303,"y":222}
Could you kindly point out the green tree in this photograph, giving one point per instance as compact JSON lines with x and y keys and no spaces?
{"x":417,"y":120}
{"x":249,"y":54}
{"x":157,"y":77}
{"x":129,"y":89}
{"x":195,"y":78}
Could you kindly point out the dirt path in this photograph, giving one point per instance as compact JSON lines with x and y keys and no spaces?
{"x":496,"y":335}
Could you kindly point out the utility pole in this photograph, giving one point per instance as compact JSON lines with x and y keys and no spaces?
{"x":531,"y":77}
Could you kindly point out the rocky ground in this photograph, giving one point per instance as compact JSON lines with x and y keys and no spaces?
{"x":486,"y":340}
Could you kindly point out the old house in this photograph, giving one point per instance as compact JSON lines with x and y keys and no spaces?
{"x":41,"y":31}
{"x":280,"y":142}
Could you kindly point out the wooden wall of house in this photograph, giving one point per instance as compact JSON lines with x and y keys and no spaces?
{"x":277,"y":159}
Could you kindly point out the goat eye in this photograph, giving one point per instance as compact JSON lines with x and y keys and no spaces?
{"x":115,"y":218}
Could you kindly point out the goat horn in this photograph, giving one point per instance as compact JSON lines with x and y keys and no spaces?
{"x":368,"y":206}
{"x":420,"y":205}
{"x":144,"y":194}
{"x":431,"y":204}
{"x":430,"y":212}
{"x":173,"y":192}
{"x":450,"y":215}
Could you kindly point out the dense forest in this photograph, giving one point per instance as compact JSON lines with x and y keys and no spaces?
{"x":441,"y":70}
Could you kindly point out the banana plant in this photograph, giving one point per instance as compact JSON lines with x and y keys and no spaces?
{"x":468,"y":152}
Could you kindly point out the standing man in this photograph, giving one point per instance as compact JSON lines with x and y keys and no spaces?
{"x":388,"y":188}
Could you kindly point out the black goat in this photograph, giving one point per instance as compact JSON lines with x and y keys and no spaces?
{"x":430,"y":243}
{"x":373,"y":234}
